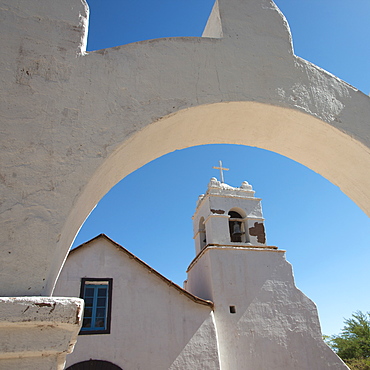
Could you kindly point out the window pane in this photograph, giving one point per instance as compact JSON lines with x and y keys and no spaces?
{"x":101,"y":302}
{"x":89,"y":292}
{"x":89,"y":302}
{"x":87,"y":312}
{"x":99,"y":323}
{"x":86,"y":323}
{"x":102,"y":292}
{"x":100,"y":312}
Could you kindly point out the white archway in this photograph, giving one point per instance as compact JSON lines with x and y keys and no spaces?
{"x":113,"y":110}
{"x":296,"y":135}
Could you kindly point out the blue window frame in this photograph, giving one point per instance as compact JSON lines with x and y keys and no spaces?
{"x":97,"y":294}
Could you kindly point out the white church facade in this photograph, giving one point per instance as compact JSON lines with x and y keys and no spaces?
{"x":239,"y":308}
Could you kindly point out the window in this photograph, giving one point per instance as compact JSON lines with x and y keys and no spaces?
{"x":97,"y":294}
{"x":232,"y":309}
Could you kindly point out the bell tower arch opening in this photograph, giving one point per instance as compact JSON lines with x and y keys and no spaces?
{"x":202,"y":233}
{"x":238,"y":232}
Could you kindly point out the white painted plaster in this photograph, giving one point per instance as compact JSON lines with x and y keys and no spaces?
{"x":202,"y":351}
{"x":149,"y":315}
{"x":275,"y":325}
{"x":38,"y":332}
{"x":74,"y":124}
{"x":214,"y":27}
{"x":262,"y":320}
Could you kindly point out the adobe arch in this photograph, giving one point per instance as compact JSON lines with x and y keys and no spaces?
{"x":76,"y":123}
{"x":93,"y":118}
{"x":296,"y":135}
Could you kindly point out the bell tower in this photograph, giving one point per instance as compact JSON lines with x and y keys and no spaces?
{"x":262,"y":320}
{"x":229,"y":217}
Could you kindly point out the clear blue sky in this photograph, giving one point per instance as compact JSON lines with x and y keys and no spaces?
{"x":326,"y":236}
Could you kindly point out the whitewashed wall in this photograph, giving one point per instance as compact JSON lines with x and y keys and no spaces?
{"x":73,"y":123}
{"x":275,"y":325}
{"x":154,"y":325}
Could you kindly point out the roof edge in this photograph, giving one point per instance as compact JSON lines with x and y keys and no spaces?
{"x":152,"y":270}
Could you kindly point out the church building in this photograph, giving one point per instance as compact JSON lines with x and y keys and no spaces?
{"x":239,"y":308}
{"x":76,"y":122}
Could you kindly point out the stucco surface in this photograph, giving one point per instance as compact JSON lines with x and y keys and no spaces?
{"x":149,"y":316}
{"x":73,"y":123}
{"x":38,"y":332}
{"x":275,"y":325}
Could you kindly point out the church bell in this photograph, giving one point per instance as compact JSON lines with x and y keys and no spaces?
{"x":237,"y":232}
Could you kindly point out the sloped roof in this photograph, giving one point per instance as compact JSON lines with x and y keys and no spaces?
{"x":150,"y":269}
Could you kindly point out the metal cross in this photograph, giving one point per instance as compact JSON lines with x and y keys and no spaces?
{"x":221,"y":170}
